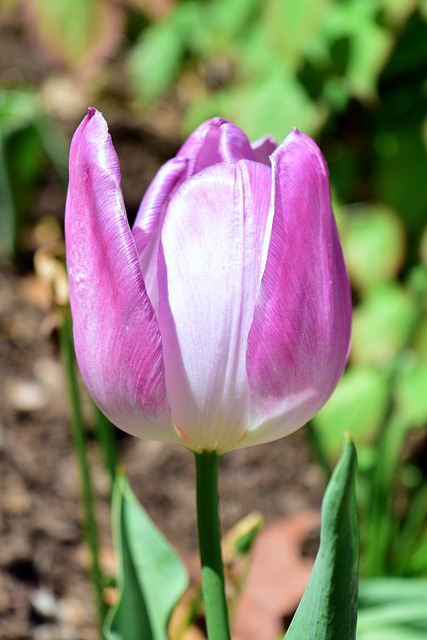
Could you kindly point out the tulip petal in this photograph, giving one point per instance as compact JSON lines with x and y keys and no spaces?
{"x":263,"y":148}
{"x":149,"y":221}
{"x":215,"y":141}
{"x":117,"y":338}
{"x":299,"y":340}
{"x":151,"y":210}
{"x":213,"y":248}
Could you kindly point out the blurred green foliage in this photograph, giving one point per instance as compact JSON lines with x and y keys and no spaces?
{"x":28,"y":138}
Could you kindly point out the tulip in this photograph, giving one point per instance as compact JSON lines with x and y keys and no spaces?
{"x":222,"y":319}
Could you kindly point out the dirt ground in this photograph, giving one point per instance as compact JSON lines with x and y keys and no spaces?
{"x":44,"y":588}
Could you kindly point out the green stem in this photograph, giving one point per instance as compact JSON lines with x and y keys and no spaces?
{"x":106,"y":436}
{"x":80,"y":448}
{"x":207,"y":466}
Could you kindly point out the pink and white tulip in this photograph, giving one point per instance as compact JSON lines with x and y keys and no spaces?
{"x":222,"y":319}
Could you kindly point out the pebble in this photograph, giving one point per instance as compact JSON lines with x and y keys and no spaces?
{"x":44,"y":604}
{"x":26,"y":395}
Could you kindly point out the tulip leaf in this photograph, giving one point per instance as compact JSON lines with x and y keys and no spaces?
{"x":152,"y":578}
{"x":328,"y":608}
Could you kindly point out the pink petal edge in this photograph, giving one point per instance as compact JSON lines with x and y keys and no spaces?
{"x":117,"y":340}
{"x":299,"y":340}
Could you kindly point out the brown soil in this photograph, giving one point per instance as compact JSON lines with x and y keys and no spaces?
{"x":44,"y":587}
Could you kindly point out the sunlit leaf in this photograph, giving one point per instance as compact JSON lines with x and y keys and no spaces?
{"x":328,"y":607}
{"x":152,"y":577}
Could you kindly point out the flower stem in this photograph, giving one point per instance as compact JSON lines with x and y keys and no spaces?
{"x":80,"y":448}
{"x":207,"y":466}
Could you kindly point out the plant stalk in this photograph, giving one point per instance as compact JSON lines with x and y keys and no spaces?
{"x":213,"y":585}
{"x":80,"y":447}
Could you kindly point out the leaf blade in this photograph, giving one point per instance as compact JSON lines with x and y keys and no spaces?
{"x":328,"y":608}
{"x":150,"y":582}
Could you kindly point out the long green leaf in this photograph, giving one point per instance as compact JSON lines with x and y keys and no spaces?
{"x":152,"y":578}
{"x":328,"y":608}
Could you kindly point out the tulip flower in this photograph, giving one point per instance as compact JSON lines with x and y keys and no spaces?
{"x":222,"y":319}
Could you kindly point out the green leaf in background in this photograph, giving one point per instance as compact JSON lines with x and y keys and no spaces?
{"x":392,"y":608}
{"x":292,"y":27}
{"x":420,"y":339}
{"x":75,"y":32}
{"x":374,"y":245}
{"x":328,"y":608}
{"x":403,"y":171}
{"x":411,"y":394}
{"x":423,"y":246}
{"x":226,"y":19}
{"x":20,"y":169}
{"x":18,"y":108}
{"x":397,"y":11}
{"x":369,"y":44}
{"x":358,"y":404}
{"x":155,"y":60}
{"x":27,"y":134}
{"x":263,"y":93}
{"x":382,"y":324}
{"x":152,"y":578}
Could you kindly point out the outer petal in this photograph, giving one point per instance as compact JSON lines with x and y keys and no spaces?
{"x":299,"y":340}
{"x":117,"y":339}
{"x":213,"y":249}
{"x":215,"y":141}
